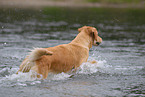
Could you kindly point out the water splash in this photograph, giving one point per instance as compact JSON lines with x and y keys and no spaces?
{"x":89,"y":68}
{"x":60,"y":76}
{"x":9,"y":76}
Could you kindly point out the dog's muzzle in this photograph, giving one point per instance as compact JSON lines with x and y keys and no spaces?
{"x":97,"y":43}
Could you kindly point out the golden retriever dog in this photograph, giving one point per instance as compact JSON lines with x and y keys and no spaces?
{"x":62,"y":58}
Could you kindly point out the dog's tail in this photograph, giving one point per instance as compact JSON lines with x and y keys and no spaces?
{"x":38,"y":52}
{"x":34,"y":55}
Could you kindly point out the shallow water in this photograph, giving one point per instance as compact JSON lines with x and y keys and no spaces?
{"x":121,"y":57}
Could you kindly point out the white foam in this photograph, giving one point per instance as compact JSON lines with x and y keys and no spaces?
{"x":20,"y":79}
{"x":60,"y":76}
{"x":21,"y":84}
{"x":23,"y":78}
{"x":4,"y":71}
{"x":89,"y":68}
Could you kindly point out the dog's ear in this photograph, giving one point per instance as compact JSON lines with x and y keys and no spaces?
{"x":80,"y":29}
{"x":93,"y":32}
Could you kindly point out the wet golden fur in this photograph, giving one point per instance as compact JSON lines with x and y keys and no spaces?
{"x":62,"y":58}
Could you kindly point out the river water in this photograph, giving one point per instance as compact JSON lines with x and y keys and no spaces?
{"x":120,"y":70}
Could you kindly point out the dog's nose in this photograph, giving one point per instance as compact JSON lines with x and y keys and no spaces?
{"x":97,"y":43}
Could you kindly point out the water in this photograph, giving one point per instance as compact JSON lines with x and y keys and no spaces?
{"x":121,"y":57}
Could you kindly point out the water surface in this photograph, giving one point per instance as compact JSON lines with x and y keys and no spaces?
{"x":121,"y":57}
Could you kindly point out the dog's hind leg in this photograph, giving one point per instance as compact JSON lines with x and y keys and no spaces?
{"x":41,"y":69}
{"x":29,"y":62}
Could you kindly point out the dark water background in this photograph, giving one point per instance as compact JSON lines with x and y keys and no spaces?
{"x":121,"y":56}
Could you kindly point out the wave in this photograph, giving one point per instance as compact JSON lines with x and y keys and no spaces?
{"x":8,"y":75}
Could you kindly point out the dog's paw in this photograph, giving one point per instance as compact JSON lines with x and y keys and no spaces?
{"x":93,"y":62}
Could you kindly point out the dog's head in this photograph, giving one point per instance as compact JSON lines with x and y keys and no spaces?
{"x":92,"y":32}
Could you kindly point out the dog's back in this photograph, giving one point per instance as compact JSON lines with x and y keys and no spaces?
{"x":65,"y":57}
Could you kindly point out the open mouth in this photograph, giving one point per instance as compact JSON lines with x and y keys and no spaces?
{"x":97,"y":43}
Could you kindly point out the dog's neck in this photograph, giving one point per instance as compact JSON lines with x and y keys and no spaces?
{"x":83,"y":39}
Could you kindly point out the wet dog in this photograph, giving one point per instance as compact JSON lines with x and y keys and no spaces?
{"x":62,"y":58}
